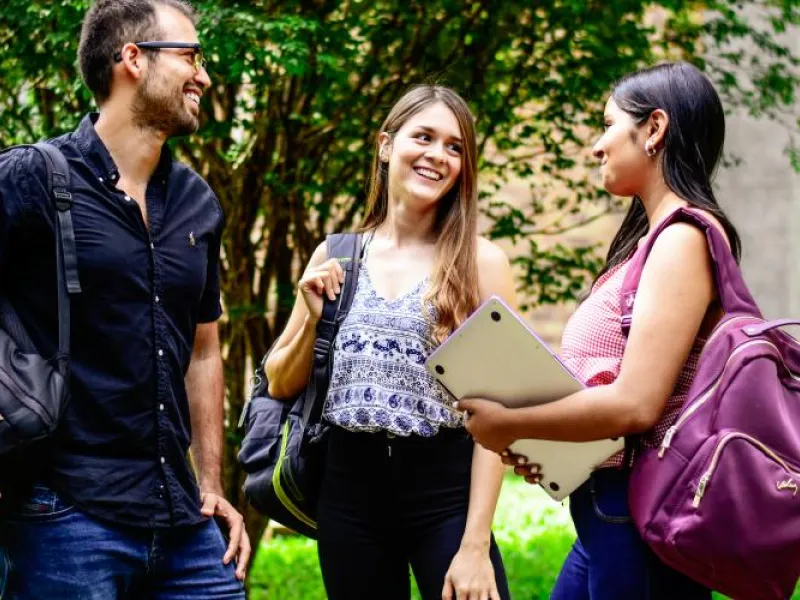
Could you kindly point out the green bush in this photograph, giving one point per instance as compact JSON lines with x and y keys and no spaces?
{"x":533,"y":532}
{"x":287,"y":568}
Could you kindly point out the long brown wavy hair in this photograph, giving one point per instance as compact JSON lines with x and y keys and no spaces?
{"x":454,"y":283}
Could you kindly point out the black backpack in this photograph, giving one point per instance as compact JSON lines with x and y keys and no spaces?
{"x":34,"y":390}
{"x":285,"y":444}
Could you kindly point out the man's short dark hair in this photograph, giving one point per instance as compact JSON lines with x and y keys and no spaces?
{"x":109,"y":25}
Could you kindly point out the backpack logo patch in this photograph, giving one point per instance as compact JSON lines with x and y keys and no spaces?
{"x":789,"y":484}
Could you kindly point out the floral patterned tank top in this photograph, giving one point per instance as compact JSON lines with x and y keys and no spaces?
{"x":379,"y":381}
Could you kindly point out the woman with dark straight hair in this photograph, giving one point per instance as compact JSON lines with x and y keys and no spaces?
{"x":664,"y":130}
{"x":691,"y":149}
{"x":405,"y":487}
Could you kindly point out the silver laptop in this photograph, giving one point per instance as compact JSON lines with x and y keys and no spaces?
{"x":497,"y":356}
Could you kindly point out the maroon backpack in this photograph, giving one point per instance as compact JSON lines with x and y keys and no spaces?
{"x":719,"y":499}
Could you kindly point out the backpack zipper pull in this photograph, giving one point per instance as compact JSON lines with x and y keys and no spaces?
{"x":667,"y":441}
{"x":701,"y":490}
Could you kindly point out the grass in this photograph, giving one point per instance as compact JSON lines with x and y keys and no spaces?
{"x":533,"y":532}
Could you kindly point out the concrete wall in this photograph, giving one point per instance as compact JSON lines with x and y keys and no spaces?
{"x":762,"y":197}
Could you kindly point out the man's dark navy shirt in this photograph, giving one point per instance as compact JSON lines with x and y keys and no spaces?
{"x":120,"y":452}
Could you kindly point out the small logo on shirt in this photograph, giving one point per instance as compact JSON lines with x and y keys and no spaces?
{"x":192,"y":241}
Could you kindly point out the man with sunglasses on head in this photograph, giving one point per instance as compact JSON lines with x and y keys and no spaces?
{"x":117,"y":510}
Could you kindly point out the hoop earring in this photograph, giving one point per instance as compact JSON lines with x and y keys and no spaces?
{"x":649,"y":149}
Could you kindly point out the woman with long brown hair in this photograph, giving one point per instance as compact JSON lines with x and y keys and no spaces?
{"x":404,"y":484}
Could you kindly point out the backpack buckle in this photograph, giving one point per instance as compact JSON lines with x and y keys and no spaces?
{"x":322,"y":346}
{"x":63,"y":199}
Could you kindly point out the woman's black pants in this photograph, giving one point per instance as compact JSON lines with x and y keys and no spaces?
{"x":389,"y":502}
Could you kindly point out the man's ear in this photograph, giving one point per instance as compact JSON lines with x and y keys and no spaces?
{"x":132,"y":60}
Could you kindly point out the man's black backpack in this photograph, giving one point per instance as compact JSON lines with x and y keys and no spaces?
{"x":34,"y":390}
{"x":284,"y":448}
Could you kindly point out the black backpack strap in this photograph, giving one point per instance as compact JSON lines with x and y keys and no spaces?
{"x":58,"y":184}
{"x":68,"y":282}
{"x":347,"y":247}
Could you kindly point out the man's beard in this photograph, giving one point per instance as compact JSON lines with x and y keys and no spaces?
{"x":157,"y":109}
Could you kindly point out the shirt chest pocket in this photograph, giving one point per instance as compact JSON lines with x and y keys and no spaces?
{"x":182,"y":264}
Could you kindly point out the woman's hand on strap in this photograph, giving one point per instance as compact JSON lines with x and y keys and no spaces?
{"x":289,"y":364}
{"x":318,"y":282}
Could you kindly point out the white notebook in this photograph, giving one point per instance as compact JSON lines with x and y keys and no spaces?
{"x":497,"y":356}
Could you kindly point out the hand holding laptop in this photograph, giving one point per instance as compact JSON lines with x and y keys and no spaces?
{"x":485,"y":422}
{"x":489,"y":423}
{"x":495,"y":357}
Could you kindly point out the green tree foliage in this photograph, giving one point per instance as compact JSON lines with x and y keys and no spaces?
{"x":301,"y":87}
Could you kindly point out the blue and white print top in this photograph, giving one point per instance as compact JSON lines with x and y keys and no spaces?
{"x":379,"y":380}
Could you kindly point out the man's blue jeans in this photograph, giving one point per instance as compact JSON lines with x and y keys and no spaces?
{"x":56,"y":551}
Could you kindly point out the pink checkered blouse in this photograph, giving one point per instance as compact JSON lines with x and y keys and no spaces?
{"x":593,"y":344}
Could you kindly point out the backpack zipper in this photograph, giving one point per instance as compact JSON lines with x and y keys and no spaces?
{"x":290,"y":482}
{"x":670,"y":433}
{"x":667,"y":441}
{"x":702,"y":484}
{"x":27,"y":400}
{"x":280,"y":492}
{"x":723,"y":326}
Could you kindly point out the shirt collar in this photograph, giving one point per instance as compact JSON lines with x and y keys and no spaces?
{"x":99,"y":159}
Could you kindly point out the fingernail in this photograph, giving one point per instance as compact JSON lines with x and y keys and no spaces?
{"x":504,"y":453}
{"x":520,"y":460}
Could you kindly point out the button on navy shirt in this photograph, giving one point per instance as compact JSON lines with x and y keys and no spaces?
{"x":120,"y":452}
